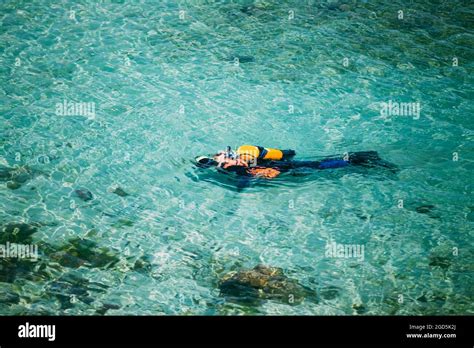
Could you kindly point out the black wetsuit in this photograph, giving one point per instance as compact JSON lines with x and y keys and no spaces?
{"x":365,"y":159}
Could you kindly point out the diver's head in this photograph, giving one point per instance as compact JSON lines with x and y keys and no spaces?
{"x":205,"y":162}
{"x":222,"y":158}
{"x":225,"y":159}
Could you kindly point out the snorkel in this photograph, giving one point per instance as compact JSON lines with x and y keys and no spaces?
{"x":224,"y":156}
{"x":229,"y":153}
{"x":217,"y":160}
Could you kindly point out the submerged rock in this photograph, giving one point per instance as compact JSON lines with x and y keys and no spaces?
{"x":7,"y":173}
{"x":13,"y":185}
{"x":241,"y":59}
{"x":427,"y":209}
{"x":330,"y":292}
{"x":15,"y":176}
{"x":71,"y":287}
{"x":143,"y":264}
{"x":84,"y":194}
{"x":105,"y":307}
{"x":66,"y":259}
{"x":359,"y":308}
{"x":424,"y":209}
{"x":123,"y":222}
{"x":119,"y":191}
{"x":247,"y":10}
{"x":17,"y":232}
{"x":263,"y":283}
{"x":8,"y":294}
{"x":30,"y":265}
{"x":439,"y":261}
{"x":78,"y":252}
{"x":13,"y":268}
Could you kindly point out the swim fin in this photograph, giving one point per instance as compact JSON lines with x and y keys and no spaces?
{"x":370,"y":159}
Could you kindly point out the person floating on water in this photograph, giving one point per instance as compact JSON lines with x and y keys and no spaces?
{"x":260,"y":162}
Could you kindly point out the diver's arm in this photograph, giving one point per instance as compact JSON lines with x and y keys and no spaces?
{"x":239,"y":170}
{"x":258,"y":172}
{"x":243,"y":182}
{"x":264,"y":172}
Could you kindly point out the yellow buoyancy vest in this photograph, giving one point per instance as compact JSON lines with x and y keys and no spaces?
{"x":251,"y":153}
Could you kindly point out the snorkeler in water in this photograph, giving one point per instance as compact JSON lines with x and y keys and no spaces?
{"x":259,"y":162}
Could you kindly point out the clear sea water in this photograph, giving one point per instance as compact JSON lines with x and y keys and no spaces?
{"x":166,"y":86}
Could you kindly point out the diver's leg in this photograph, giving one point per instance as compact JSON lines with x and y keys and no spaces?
{"x":287,"y":154}
{"x":362,"y":158}
{"x":281,"y":165}
{"x":323,"y":164}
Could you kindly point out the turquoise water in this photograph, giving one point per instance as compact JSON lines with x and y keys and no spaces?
{"x":166,"y":87}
